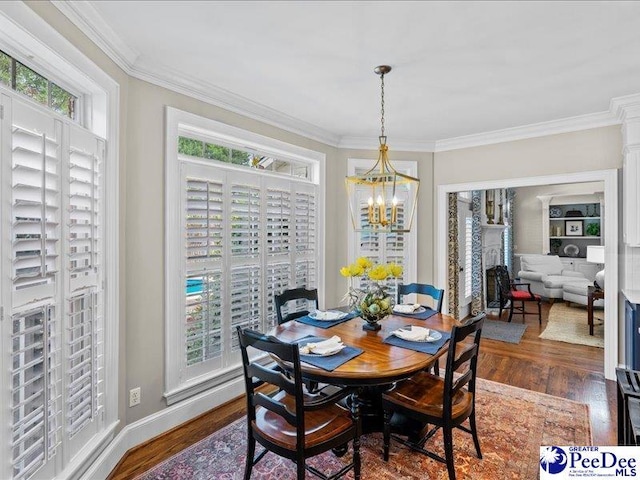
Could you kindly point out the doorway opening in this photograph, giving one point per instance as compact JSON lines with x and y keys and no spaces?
{"x":609,"y":178}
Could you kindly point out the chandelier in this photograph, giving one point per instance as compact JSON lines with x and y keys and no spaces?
{"x":382,"y":199}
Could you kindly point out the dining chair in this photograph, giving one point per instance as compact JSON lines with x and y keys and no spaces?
{"x":293,"y":423}
{"x":442,"y":402}
{"x":509,"y":293}
{"x":282,"y":300}
{"x":422,"y":289}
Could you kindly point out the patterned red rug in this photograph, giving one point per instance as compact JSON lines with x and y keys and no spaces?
{"x":512,"y":425}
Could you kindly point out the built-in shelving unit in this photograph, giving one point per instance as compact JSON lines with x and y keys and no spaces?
{"x":571,"y":223}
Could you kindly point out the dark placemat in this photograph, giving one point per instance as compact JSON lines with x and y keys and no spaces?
{"x":330,"y":362}
{"x":420,"y":316}
{"x":307,"y":320}
{"x":424,"y":347}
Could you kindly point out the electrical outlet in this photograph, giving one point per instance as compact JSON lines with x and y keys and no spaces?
{"x":134,"y":396}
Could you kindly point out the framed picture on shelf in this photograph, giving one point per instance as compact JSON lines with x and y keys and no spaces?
{"x":573,"y":228}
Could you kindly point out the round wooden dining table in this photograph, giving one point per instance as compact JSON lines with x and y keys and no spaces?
{"x":379,"y":365}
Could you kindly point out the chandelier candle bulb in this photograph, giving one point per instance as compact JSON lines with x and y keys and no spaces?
{"x":394,"y":209}
{"x":381,"y":210}
{"x":370,"y":202}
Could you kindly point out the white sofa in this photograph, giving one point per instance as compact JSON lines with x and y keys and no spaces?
{"x":577,"y":292}
{"x":546,"y":274}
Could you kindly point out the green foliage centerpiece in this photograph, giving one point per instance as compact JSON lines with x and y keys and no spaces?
{"x":372,"y":303}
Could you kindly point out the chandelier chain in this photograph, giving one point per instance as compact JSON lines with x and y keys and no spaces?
{"x":382,"y":104}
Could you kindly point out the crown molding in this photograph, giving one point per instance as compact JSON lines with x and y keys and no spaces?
{"x":214,"y":95}
{"x":90,"y":22}
{"x":84,"y":16}
{"x":625,"y":108}
{"x":397,"y":144}
{"x":553,"y":127}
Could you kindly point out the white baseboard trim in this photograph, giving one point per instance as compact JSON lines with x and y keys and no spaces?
{"x":153,"y":425}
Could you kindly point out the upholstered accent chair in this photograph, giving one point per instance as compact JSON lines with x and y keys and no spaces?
{"x":515,"y":294}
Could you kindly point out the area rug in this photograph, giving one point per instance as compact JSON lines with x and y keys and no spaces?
{"x":503,"y":331}
{"x":512,"y":425}
{"x":569,"y":324}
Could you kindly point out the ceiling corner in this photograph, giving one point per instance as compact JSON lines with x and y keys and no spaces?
{"x":84,"y":16}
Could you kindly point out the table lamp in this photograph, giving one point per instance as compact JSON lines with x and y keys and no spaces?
{"x":595,"y":254}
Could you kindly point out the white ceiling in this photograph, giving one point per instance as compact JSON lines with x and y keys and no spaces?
{"x":459,"y":68}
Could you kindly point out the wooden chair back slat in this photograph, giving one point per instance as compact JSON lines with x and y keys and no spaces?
{"x":290,"y":295}
{"x":422,"y":289}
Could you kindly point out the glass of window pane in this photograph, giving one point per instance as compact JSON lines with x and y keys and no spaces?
{"x":31,"y":84}
{"x":189,"y":146}
{"x":5,"y":69}
{"x":238,"y":157}
{"x":216,"y":152}
{"x":62,"y":101}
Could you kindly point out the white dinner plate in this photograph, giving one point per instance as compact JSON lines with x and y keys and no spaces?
{"x":434,"y":336}
{"x":420,"y":309}
{"x":327,"y":354}
{"x":328,"y":316}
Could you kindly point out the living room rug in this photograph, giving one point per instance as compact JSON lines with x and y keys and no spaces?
{"x":569,"y":324}
{"x":503,"y":331}
{"x":512,"y":425}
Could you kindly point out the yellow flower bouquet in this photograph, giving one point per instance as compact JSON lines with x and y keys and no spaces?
{"x":374,"y":303}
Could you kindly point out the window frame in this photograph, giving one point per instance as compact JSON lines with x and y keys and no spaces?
{"x":28,"y":38}
{"x":182,"y":123}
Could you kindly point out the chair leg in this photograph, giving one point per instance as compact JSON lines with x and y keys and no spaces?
{"x":355,"y":412}
{"x":386,"y":434}
{"x":300,"y":470}
{"x":436,"y":367}
{"x":251,"y":450}
{"x":448,"y":451}
{"x":539,"y":313}
{"x":474,"y":432}
{"x":511,"y":311}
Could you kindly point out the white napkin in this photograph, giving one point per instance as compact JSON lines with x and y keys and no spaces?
{"x":406,"y":308}
{"x":415,"y":334}
{"x":328,"y":315}
{"x":325,"y":347}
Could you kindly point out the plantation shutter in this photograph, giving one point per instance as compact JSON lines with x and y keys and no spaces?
{"x":278,"y":279}
{"x":84,"y":322}
{"x":36,"y":346}
{"x":204,"y":218}
{"x":54,"y":249}
{"x":246,"y":238}
{"x":203,"y":319}
{"x":245,"y":221}
{"x":36,"y":202}
{"x":36,"y":392}
{"x":305,"y":224}
{"x":246,"y":224}
{"x":278,"y":221}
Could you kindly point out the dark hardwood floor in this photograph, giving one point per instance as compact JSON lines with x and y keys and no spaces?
{"x":564,"y":370}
